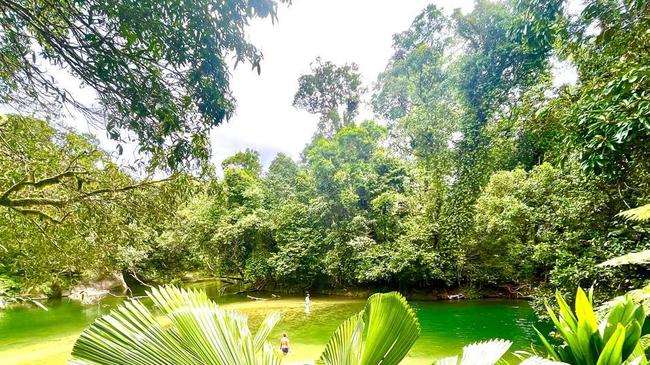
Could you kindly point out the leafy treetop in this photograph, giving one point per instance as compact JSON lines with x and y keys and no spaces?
{"x":160,"y":68}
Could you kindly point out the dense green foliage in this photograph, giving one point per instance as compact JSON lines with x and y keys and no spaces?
{"x":480,"y":171}
{"x":160,"y":68}
{"x":68,"y":210}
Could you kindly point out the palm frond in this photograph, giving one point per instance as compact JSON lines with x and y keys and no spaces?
{"x":382,"y":333}
{"x":536,"y":360}
{"x":639,"y":214}
{"x":479,"y":353}
{"x":633,"y":258}
{"x":490,"y":353}
{"x":638,"y":296}
{"x":346,"y":344}
{"x":264,"y":330}
{"x":485,"y":353}
{"x":391,"y":329}
{"x":193,"y":330}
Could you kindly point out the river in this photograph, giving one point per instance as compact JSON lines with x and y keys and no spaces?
{"x":33,"y":336}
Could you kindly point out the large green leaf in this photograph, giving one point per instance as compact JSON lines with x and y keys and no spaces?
{"x":633,"y":258}
{"x":346,"y":344}
{"x":584,"y":310}
{"x":551,"y":351}
{"x":632,"y":338}
{"x":192,"y":330}
{"x":565,"y":312}
{"x":612,"y":353}
{"x":391,"y":328}
{"x":382,"y":333}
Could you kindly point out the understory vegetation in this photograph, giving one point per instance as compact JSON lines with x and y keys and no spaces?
{"x":479,"y":170}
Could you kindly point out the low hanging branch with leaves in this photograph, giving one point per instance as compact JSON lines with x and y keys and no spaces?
{"x":33,"y":205}
{"x":75,"y":171}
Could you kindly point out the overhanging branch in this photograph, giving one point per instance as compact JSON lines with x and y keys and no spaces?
{"x":29,"y":205}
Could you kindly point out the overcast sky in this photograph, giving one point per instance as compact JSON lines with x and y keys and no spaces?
{"x":337,"y":30}
{"x":341,"y":31}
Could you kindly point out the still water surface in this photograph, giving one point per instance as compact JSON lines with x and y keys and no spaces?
{"x":32,"y":336}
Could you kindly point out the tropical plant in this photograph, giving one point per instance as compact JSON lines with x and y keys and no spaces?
{"x":615,"y":339}
{"x":642,"y":295}
{"x":192,"y":330}
{"x":638,"y":214}
{"x":383,"y":332}
{"x":489,"y":353}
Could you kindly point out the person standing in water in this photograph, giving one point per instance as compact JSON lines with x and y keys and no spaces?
{"x":284,"y":344}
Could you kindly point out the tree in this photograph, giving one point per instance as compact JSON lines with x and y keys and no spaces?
{"x":247,"y":160}
{"x":49,"y":173}
{"x":333,"y":92}
{"x":415,"y":75}
{"x":160,"y":69}
{"x":281,"y":180}
{"x":608,"y":121}
{"x":68,"y":212}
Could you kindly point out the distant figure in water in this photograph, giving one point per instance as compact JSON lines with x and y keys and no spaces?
{"x":284,"y":344}
{"x":307,"y":304}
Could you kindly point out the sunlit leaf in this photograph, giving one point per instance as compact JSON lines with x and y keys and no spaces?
{"x":193,"y":330}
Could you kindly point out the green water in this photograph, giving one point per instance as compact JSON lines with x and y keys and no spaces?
{"x":33,"y":336}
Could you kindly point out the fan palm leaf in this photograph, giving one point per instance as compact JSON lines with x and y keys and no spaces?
{"x":192,"y":330}
{"x":382,"y":333}
{"x":639,"y":214}
{"x":632,"y":258}
{"x":346,"y":343}
{"x":480,"y":353}
{"x":490,"y":353}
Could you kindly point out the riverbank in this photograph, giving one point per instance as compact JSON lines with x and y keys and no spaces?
{"x":93,"y":289}
{"x":434,"y":294}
